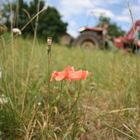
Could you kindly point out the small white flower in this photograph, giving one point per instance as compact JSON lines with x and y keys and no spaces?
{"x":39,"y":104}
{"x":16,"y":31}
{"x":3,"y":99}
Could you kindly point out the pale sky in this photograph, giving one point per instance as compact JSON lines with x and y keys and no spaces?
{"x":80,"y":13}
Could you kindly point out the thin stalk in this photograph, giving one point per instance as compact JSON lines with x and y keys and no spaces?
{"x":49,"y":64}
{"x":48,"y":82}
{"x":39,"y":12}
{"x":17,"y":13}
{"x":61,"y":88}
{"x":3,"y":42}
{"x":118,"y":130}
{"x":130,"y":130}
{"x":75,"y":112}
{"x":29,"y":17}
{"x":31,"y":56}
{"x":13,"y":51}
{"x":74,"y":119}
{"x":30,"y":127}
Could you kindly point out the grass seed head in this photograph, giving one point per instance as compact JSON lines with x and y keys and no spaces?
{"x":49,"y":43}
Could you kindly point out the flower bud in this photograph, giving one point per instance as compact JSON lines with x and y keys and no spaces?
{"x":49,"y":43}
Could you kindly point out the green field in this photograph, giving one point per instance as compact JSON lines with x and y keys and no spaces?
{"x":106,"y":106}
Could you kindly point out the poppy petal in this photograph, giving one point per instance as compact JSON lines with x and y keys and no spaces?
{"x":84,"y":75}
{"x":54,"y":74}
{"x":75,"y":75}
{"x":60,"y":76}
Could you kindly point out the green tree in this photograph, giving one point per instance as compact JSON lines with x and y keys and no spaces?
{"x":49,"y":22}
{"x":114,"y":30}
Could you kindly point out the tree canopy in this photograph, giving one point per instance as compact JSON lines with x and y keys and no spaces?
{"x":49,"y":21}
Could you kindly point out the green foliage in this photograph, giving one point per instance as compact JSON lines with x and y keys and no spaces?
{"x":54,"y":26}
{"x":114,"y":30}
{"x":49,"y":22}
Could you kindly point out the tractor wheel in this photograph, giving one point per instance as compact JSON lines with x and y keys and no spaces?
{"x":88,"y":39}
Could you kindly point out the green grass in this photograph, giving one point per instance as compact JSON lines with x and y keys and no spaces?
{"x":109,"y":103}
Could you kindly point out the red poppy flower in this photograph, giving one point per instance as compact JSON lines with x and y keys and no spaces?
{"x":69,"y":74}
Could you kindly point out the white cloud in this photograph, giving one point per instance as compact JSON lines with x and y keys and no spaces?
{"x":76,"y":3}
{"x":71,"y":10}
{"x":136,"y":11}
{"x":68,"y":8}
{"x":105,"y":3}
{"x":102,"y":12}
{"x":124,"y":17}
{"x":74,"y":8}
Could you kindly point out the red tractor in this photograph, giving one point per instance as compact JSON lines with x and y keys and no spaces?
{"x":90,"y":37}
{"x":131,"y":40}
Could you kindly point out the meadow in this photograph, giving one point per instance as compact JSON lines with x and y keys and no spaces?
{"x":105,"y":106}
